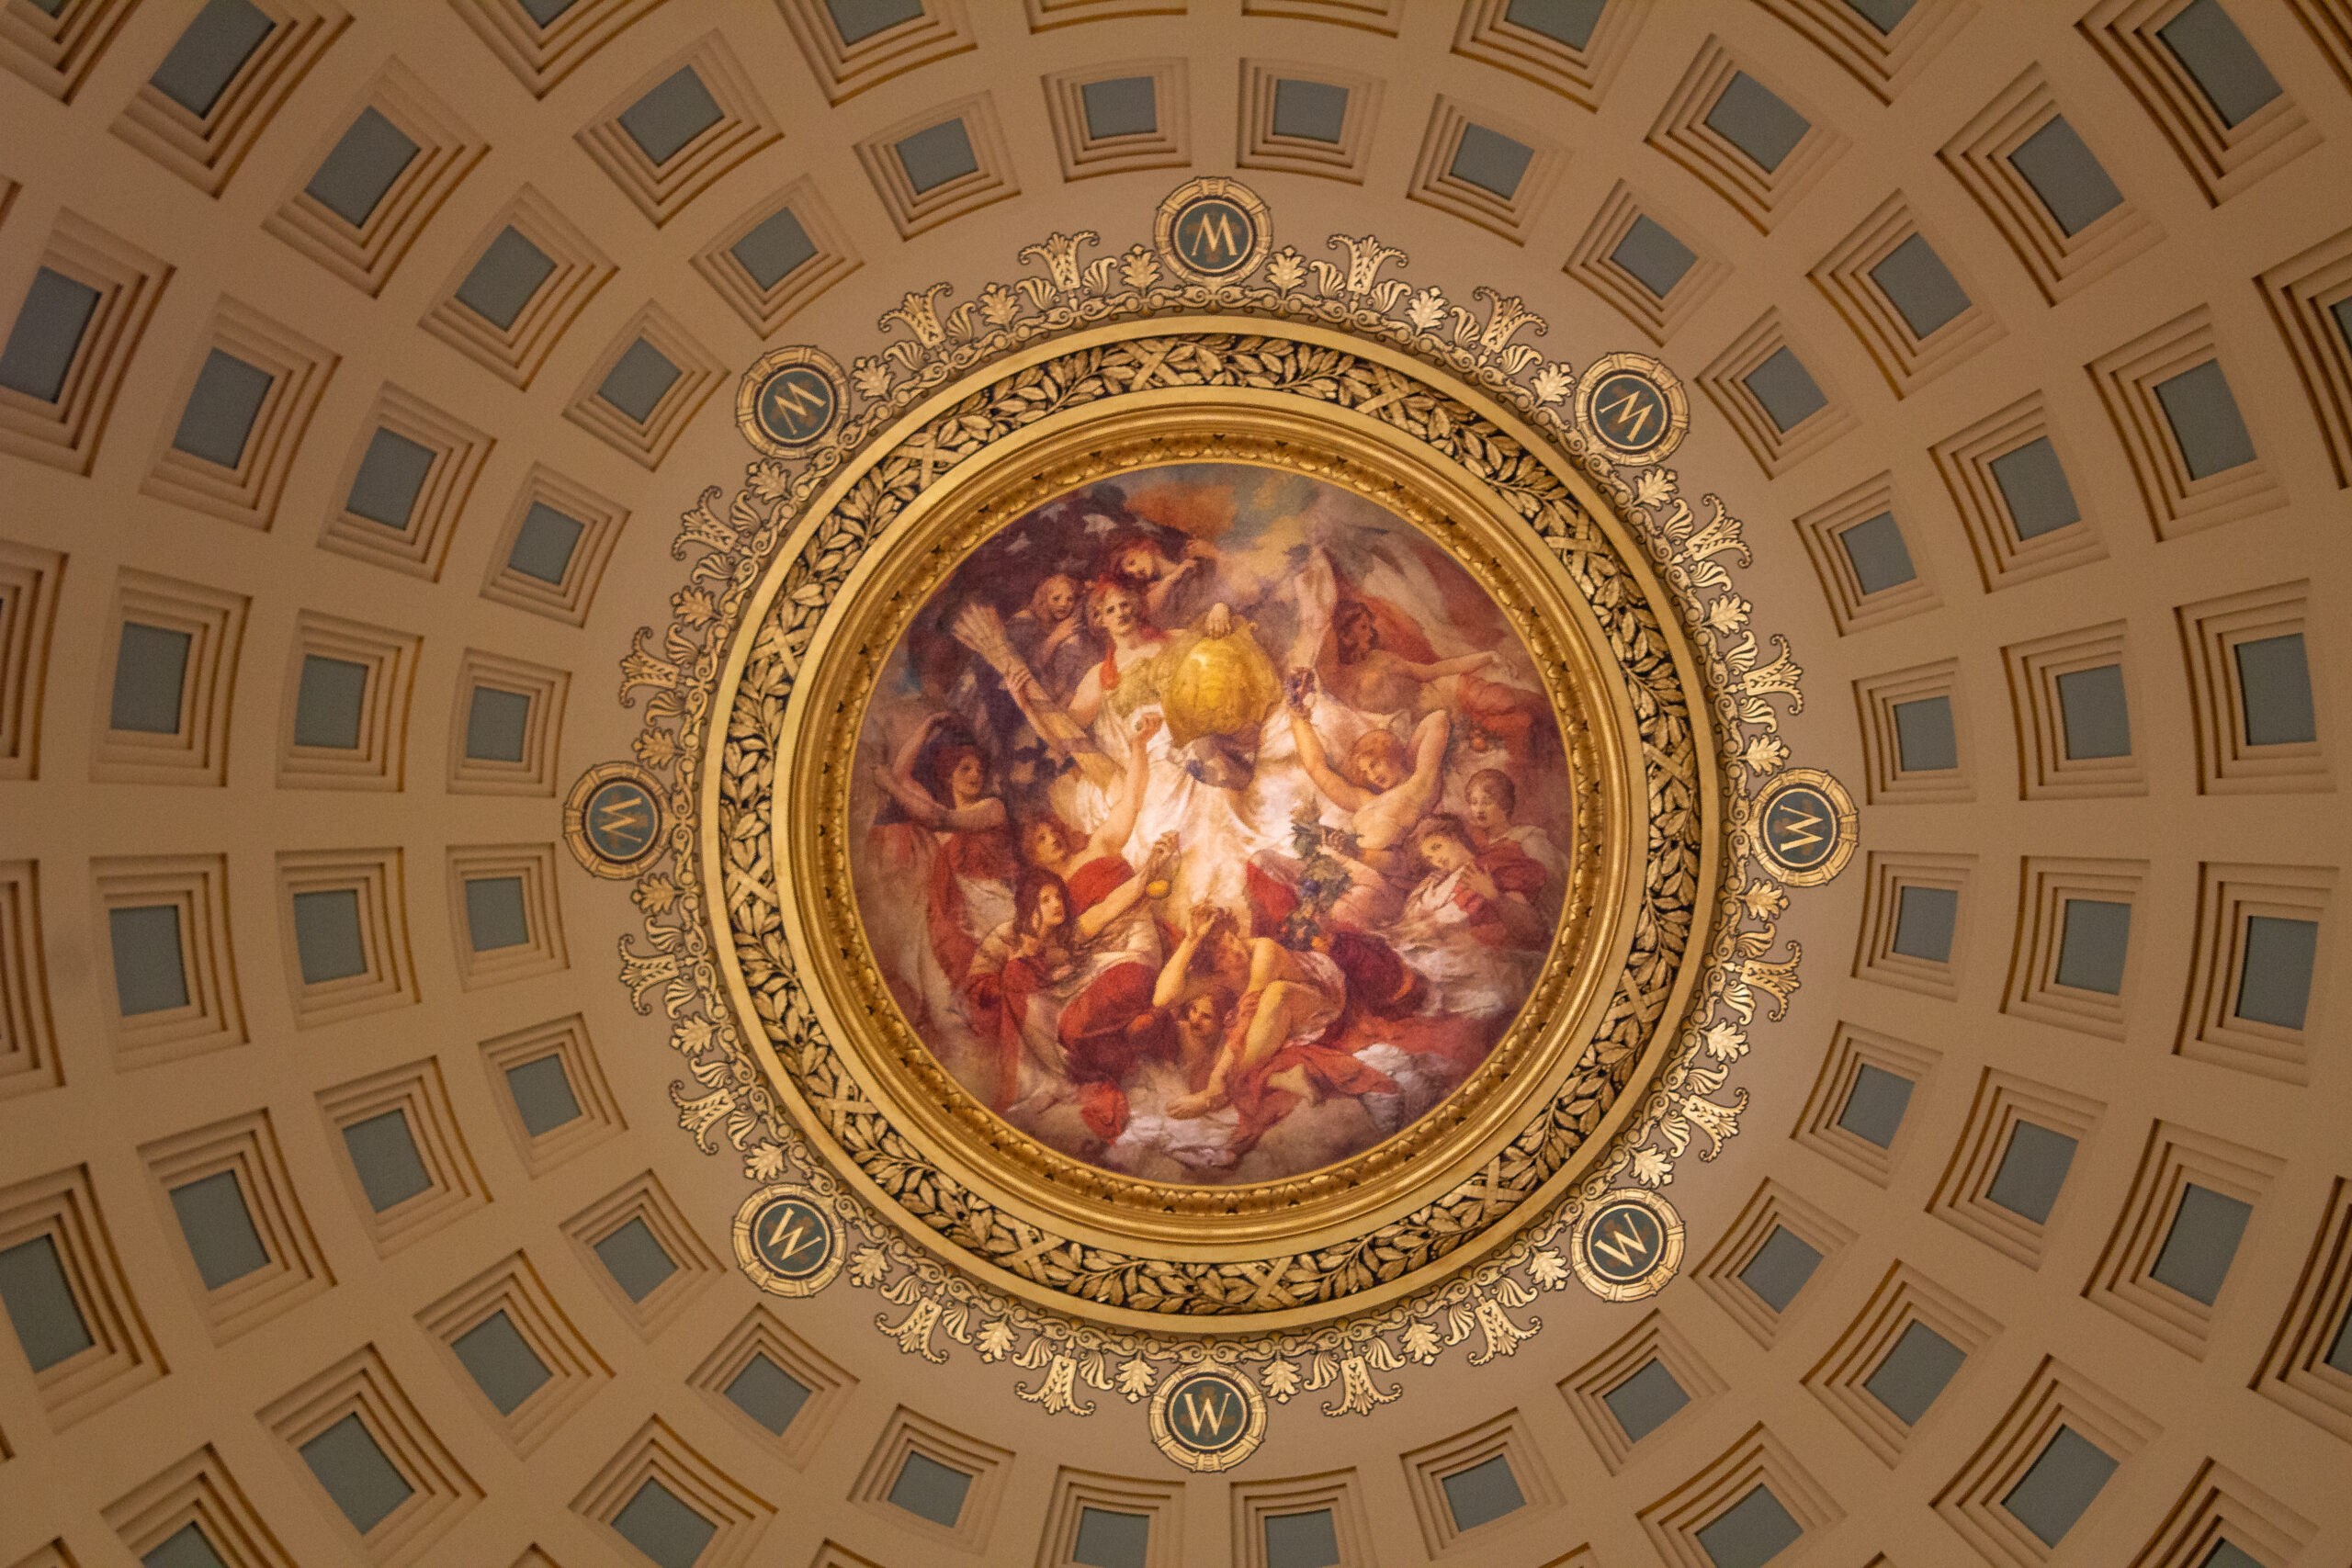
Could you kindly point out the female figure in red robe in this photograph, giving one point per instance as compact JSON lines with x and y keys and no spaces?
{"x":971,"y":863}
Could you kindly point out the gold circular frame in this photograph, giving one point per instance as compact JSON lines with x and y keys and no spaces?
{"x":1043,"y":1197}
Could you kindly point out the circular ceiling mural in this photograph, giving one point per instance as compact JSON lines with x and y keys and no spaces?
{"x":1235,"y":817}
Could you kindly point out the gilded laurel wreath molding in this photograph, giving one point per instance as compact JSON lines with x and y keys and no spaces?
{"x":772,"y":518}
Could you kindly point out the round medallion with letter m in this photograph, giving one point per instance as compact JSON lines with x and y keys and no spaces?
{"x":790,"y":400}
{"x":1628,"y":1247}
{"x":795,"y":405}
{"x":1208,"y":1419}
{"x":1212,"y":230}
{"x":1633,"y":407}
{"x":787,"y":1242}
{"x":1215,"y":235}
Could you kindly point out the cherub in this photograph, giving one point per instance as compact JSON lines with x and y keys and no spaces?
{"x":1049,"y":633}
{"x":1391,"y":785}
{"x":1370,"y":679}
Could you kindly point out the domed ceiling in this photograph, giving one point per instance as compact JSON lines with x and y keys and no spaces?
{"x":1152,"y":782}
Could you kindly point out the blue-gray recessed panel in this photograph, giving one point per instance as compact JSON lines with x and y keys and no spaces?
{"x":494,"y":913}
{"x":1752,"y":117}
{"x":150,"y":973}
{"x":329,"y":702}
{"x":937,"y":154}
{"x":2227,"y":1555}
{"x":1874,"y":1106}
{"x":354,"y":177}
{"x":677,"y":109}
{"x":1656,"y":258}
{"x":1925,"y":919}
{"x":391,"y":475}
{"x":2339,"y":1355}
{"x":497,"y":724}
{"x":183,"y":1547}
{"x":221,"y":409}
{"x":665,"y":1529}
{"x":383,"y":1151}
{"x":2093,"y":945}
{"x":767,"y":1393}
{"x":635,"y":1258}
{"x":2034,"y":485}
{"x":2033,"y":1168}
{"x":861,"y":19}
{"x":1302,"y":1540}
{"x":2274,"y":689}
{"x":1121,"y":105}
{"x":2199,"y":1249}
{"x":2062,"y":172}
{"x":48,"y":333}
{"x":2275,"y":982}
{"x":150,"y":678}
{"x":219,"y":1229}
{"x":1925,"y":741}
{"x":1646,"y":1400}
{"x":41,"y":1303}
{"x":545,"y":12}
{"x":210,"y":53}
{"x":1562,"y":21}
{"x":511,"y":270}
{"x":2205,"y":421}
{"x":2225,"y":67}
{"x":2069,"y":1474}
{"x":500,"y":1362}
{"x":1918,"y":284}
{"x":352,"y":1468}
{"x":2342,"y":311}
{"x":1787,"y":389}
{"x":773,"y":248}
{"x":2091,"y":709}
{"x":1875,"y":550}
{"x":1111,"y":1540}
{"x":1780,"y":1268}
{"x":1316,"y":111}
{"x":543,"y":1095}
{"x":327,"y":936}
{"x":1490,"y":161}
{"x":1915,"y":1372}
{"x":1483,"y":1494}
{"x":1884,"y":14}
{"x":1749,"y":1533}
{"x":638,"y":379}
{"x":930,"y":1490}
{"x":543,"y":545}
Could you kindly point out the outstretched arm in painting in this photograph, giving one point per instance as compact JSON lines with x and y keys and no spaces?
{"x":1121,"y":899}
{"x":1117,"y":828}
{"x":898,"y":781}
{"x":1339,"y":790}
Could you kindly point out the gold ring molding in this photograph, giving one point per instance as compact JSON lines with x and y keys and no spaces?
{"x":1409,"y":471}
